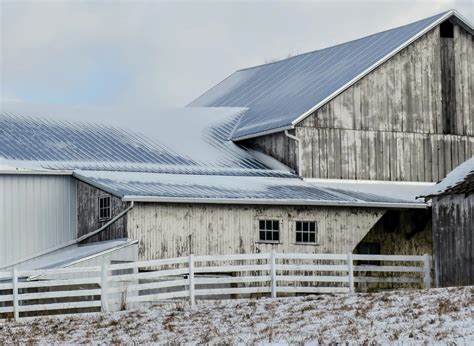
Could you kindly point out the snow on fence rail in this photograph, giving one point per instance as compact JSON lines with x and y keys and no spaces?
{"x":119,"y":286}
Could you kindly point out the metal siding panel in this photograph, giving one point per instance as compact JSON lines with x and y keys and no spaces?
{"x":35,"y":214}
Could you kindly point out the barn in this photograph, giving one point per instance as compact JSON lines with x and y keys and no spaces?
{"x":85,"y":185}
{"x":323,"y":152}
{"x":452,"y":203}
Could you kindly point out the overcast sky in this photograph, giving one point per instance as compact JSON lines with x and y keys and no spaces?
{"x":163,"y":53}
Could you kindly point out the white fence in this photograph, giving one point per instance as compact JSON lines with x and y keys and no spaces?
{"x":119,"y":286}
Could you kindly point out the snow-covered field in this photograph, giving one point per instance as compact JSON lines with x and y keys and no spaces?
{"x":437,"y":315}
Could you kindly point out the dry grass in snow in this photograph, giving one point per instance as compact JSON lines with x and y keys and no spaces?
{"x":426,"y":316}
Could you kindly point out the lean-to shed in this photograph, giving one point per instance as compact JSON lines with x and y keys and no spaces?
{"x":452,"y":203}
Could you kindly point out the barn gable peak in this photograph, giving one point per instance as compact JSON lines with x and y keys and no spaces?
{"x":281,"y":94}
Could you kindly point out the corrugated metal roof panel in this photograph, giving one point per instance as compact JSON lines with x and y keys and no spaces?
{"x":406,"y":191}
{"x":188,"y":141}
{"x":280,"y":92}
{"x":250,"y":190}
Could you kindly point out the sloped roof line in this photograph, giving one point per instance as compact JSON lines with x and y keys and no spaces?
{"x":454,"y":179}
{"x":446,"y":16}
{"x":280,"y":94}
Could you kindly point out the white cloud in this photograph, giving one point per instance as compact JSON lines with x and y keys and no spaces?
{"x":167,"y":53}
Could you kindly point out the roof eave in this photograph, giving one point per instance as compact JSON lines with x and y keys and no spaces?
{"x":263,"y":133}
{"x":247,"y":201}
{"x":96,"y":185}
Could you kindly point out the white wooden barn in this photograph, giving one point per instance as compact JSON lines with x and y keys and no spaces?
{"x":324,"y":152}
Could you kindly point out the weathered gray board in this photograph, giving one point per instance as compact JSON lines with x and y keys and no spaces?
{"x":453,"y":239}
{"x":88,"y":214}
{"x":173,"y":230}
{"x":390,"y":125}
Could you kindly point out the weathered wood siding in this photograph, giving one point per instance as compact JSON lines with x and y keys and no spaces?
{"x":411,"y":119}
{"x":88,"y":214}
{"x":405,"y":237}
{"x":171,"y":230}
{"x":453,"y":239}
{"x":403,"y":94}
{"x":380,"y":155}
{"x":277,"y":145}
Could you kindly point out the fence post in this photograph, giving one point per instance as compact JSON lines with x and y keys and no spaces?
{"x":273,"y":274}
{"x":350,"y":265}
{"x":191,"y":279}
{"x":104,"y":284}
{"x":16,"y":305}
{"x":427,"y":270}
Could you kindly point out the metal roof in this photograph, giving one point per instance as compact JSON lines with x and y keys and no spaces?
{"x":73,"y":254}
{"x":282,"y":93}
{"x":458,"y":181}
{"x":187,"y":141}
{"x":152,"y":187}
{"x":400,"y":190}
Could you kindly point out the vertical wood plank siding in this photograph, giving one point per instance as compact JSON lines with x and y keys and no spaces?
{"x":171,"y":230}
{"x":453,"y":239}
{"x":395,"y":156}
{"x":88,"y":214}
{"x":405,"y":239}
{"x":277,"y":145}
{"x":411,"y":119}
{"x":37,"y":213}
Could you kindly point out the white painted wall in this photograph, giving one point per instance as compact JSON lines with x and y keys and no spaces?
{"x":37,"y":213}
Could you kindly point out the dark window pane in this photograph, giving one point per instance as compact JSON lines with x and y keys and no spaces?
{"x":276,"y":225}
{"x":305,"y":237}
{"x":268,"y":235}
{"x":312,"y":237}
{"x":312,"y":226}
{"x":298,"y":236}
{"x":262,"y":224}
{"x":262,"y":235}
{"x":305,"y":227}
{"x":276,"y":236}
{"x":298,"y":226}
{"x":269,"y":224}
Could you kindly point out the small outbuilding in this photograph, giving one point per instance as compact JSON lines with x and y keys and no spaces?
{"x":453,"y":226}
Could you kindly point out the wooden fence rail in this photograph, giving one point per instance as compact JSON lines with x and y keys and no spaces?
{"x":119,"y":286}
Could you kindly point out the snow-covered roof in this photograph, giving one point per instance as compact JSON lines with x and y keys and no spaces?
{"x":406,"y":191}
{"x":179,"y":141}
{"x":73,"y":254}
{"x":282,"y":93}
{"x":179,"y":188}
{"x":459,"y":180}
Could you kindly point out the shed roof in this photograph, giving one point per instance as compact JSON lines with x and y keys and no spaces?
{"x":282,"y":93}
{"x":458,"y":181}
{"x":178,"y":188}
{"x":73,"y":254}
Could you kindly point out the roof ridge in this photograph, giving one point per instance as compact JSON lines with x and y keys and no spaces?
{"x":342,"y":43}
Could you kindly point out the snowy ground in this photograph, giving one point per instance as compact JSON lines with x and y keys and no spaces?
{"x":416,"y":317}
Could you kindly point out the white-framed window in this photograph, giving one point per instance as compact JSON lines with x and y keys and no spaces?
{"x":306,"y":232}
{"x":104,"y":208}
{"x":269,"y":231}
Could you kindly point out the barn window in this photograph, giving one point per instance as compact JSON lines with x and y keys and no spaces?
{"x":269,"y":230}
{"x":306,"y":232}
{"x":104,"y":208}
